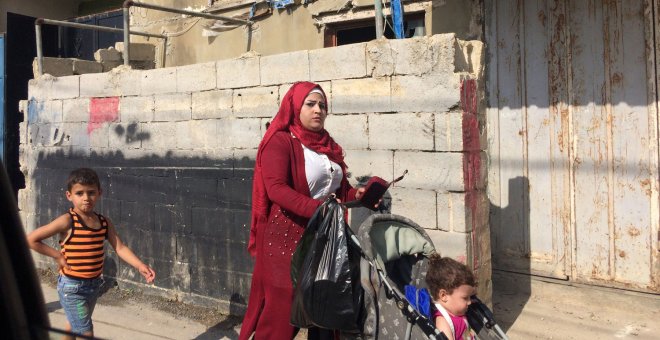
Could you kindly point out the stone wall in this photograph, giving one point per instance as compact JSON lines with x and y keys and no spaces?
{"x":175,"y":148}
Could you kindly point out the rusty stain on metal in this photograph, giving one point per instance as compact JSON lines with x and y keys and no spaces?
{"x":633,"y":231}
{"x":541,"y":16}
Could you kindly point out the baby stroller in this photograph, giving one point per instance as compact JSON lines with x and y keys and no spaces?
{"x":395,"y":253}
{"x":387,"y":253}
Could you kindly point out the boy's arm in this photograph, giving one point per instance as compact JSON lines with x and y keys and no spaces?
{"x":127,"y":254}
{"x":59,"y":225}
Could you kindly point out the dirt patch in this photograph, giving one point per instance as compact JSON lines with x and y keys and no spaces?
{"x":114,"y":296}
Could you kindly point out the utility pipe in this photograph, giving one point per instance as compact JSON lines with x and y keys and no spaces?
{"x":378,"y":6}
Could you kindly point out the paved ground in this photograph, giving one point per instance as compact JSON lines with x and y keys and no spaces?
{"x":526,"y":309}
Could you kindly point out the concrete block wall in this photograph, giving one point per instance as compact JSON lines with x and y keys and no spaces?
{"x":175,"y":148}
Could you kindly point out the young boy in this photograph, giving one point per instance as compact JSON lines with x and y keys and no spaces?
{"x":82,"y":233}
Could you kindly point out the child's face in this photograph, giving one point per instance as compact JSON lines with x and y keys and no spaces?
{"x":83,"y":197}
{"x":458,"y":301}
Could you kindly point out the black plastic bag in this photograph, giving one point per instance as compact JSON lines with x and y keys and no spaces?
{"x":325,"y":273}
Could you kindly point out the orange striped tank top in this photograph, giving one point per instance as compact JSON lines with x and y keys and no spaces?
{"x":83,"y":248}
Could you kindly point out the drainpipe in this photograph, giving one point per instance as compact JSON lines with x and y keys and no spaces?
{"x":378,"y":6}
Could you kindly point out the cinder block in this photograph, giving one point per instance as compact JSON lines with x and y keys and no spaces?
{"x":136,"y":109}
{"x":110,"y":84}
{"x":124,"y":136}
{"x":403,"y":131}
{"x":444,"y":54}
{"x":449,"y":131}
{"x":86,"y":66}
{"x":350,"y":131}
{"x":212,"y":104}
{"x":239,"y":72}
{"x":430,"y":170}
{"x":380,"y":60}
{"x":367,"y":163}
{"x":56,"y":67}
{"x":99,"y":138}
{"x":48,"y":87}
{"x":161,"y":80}
{"x":412,"y":56}
{"x":159,"y":136}
{"x":348,"y":61}
{"x":425,"y":94}
{"x":452,"y":213}
{"x":196,"y":77}
{"x":284,"y":68}
{"x":400,"y":56}
{"x":417,"y":205}
{"x":138,"y":51}
{"x":75,"y":110}
{"x":197,"y":134}
{"x":256,"y":102}
{"x":242,"y":133}
{"x":471,"y":57}
{"x":75,"y":134}
{"x":244,"y":159}
{"x":454,"y":245}
{"x":48,"y":134}
{"x":172,"y":107}
{"x":107,"y":54}
{"x":142,"y":65}
{"x":110,"y":65}
{"x":65,"y":87}
{"x":44,"y":112}
{"x":361,"y":95}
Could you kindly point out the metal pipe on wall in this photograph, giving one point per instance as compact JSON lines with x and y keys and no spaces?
{"x":40,"y":52}
{"x":378,"y":7}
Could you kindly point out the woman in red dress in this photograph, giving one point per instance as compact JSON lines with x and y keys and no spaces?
{"x":298,"y":165}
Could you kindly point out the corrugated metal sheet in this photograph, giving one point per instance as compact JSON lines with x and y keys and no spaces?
{"x":573,"y":139}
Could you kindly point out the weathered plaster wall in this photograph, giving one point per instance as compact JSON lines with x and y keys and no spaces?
{"x":461,"y":17}
{"x":299,"y":27}
{"x":175,"y":148}
{"x":282,"y":31}
{"x":61,"y":9}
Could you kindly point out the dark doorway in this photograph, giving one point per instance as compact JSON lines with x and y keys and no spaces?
{"x":20,"y":51}
{"x":82,"y":43}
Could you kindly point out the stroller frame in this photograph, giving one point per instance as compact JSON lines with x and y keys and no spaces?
{"x":479,"y":315}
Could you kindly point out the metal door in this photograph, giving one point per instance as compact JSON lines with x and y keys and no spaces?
{"x":573,"y":140}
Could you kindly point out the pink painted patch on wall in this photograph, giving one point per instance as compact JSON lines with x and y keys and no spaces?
{"x":102,"y":110}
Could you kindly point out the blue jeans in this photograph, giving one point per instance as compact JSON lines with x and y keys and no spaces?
{"x":78,"y":299}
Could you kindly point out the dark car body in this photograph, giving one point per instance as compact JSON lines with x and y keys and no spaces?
{"x":22,"y":310}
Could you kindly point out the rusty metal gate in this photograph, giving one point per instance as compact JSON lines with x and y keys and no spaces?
{"x":573,"y":139}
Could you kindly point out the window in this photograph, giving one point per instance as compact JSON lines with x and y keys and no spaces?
{"x":344,"y":33}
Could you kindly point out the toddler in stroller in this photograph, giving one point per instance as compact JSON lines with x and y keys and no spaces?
{"x":396,"y":252}
{"x":452,"y":284}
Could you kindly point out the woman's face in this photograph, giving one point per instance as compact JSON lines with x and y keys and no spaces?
{"x":313,"y":112}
